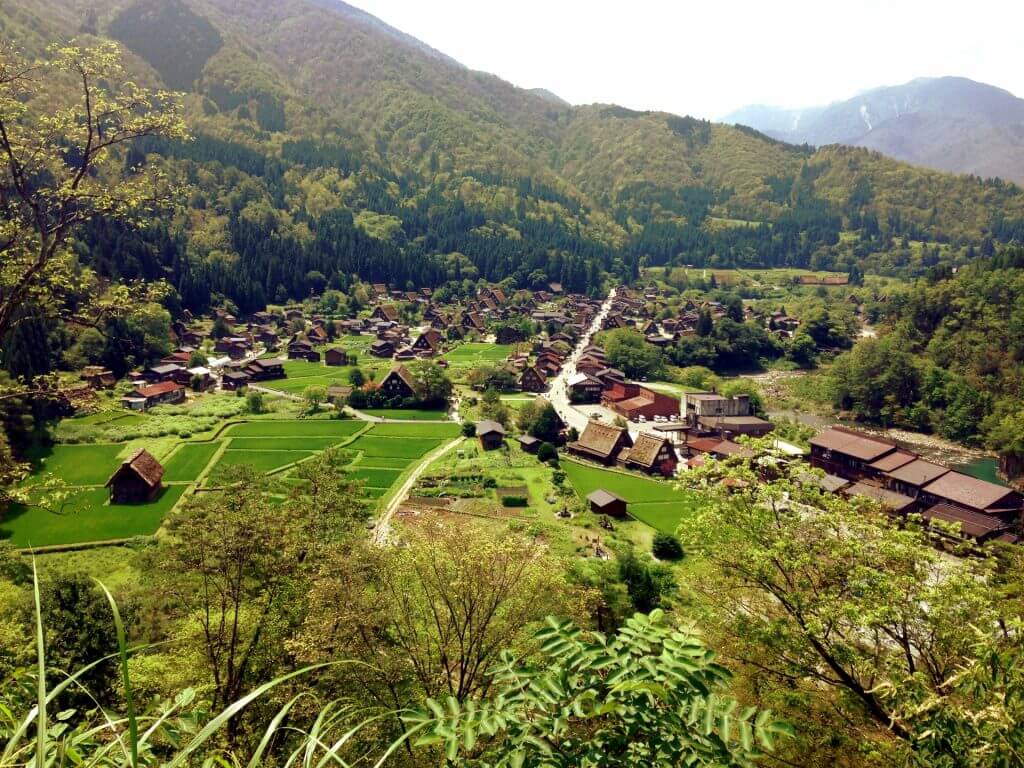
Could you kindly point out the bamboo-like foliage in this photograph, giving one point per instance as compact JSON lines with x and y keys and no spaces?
{"x":651,"y":695}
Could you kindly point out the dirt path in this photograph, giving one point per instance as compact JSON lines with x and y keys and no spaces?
{"x":383,"y":527}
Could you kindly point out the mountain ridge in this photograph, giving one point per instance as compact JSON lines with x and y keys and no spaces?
{"x":956,"y":125}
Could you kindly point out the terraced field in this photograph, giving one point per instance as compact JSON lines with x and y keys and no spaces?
{"x":380,"y":455}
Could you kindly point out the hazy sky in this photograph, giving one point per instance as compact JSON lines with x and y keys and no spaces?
{"x":709,"y":57}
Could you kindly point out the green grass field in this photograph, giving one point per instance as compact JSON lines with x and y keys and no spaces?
{"x":655,"y":503}
{"x":80,"y":464}
{"x":387,"y":450}
{"x":439,"y":431}
{"x":478,"y":352}
{"x":384,"y":462}
{"x":394,"y":447}
{"x":188,"y":461}
{"x":376,"y":478}
{"x":662,"y":516}
{"x":285,"y":443}
{"x":85,"y":517}
{"x":296,"y":428}
{"x":262,"y":461}
{"x":407,"y":414}
{"x":121,"y":418}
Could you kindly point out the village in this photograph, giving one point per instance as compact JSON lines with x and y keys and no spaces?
{"x":488,"y":358}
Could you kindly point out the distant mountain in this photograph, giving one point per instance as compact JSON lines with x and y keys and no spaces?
{"x":949,"y":123}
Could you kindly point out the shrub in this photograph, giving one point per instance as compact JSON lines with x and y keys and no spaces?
{"x":514,"y":501}
{"x":469,"y":429}
{"x":547,"y":453}
{"x":665,"y":546}
{"x":254,"y":402}
{"x":490,"y":482}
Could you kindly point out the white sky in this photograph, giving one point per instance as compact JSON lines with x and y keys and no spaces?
{"x":709,"y":57}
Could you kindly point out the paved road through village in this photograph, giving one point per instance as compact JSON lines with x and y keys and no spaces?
{"x":558,"y":393}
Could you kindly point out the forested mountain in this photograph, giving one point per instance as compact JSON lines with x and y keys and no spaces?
{"x":949,"y":123}
{"x":328,"y":144}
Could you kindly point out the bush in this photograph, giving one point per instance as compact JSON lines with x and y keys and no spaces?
{"x":254,"y":402}
{"x":490,"y":482}
{"x":514,"y":501}
{"x":666,"y":547}
{"x":547,"y":453}
{"x":469,"y":429}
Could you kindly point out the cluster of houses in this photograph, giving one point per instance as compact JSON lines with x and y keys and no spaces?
{"x":855,"y":464}
{"x":859,"y":464}
{"x":642,"y":310}
{"x":702,"y":425}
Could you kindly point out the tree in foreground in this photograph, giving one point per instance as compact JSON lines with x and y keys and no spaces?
{"x":858,"y":623}
{"x":63,"y":121}
{"x":650,"y":695}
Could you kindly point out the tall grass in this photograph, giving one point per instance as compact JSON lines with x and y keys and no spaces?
{"x":102,"y":739}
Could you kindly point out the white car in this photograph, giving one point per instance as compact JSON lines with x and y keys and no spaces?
{"x":642,"y":419}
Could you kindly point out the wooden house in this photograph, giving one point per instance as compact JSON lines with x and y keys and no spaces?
{"x":399,"y":383}
{"x":336,"y":357}
{"x":382,"y":348}
{"x":601,"y":443}
{"x":650,"y":454}
{"x":533,"y":380}
{"x":139,"y":479}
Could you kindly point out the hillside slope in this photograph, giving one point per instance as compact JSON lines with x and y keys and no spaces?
{"x":328,"y":143}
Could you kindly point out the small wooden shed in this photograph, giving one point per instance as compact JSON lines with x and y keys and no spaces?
{"x":607,"y":503}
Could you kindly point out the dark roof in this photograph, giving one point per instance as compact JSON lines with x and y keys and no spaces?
{"x":270,"y":362}
{"x":850,"y":443}
{"x":830,"y":483}
{"x":918,"y":472}
{"x":894,"y":460}
{"x":487,"y":426}
{"x":528,"y":440}
{"x":734,"y":421}
{"x":603,"y":498}
{"x":968,"y":491}
{"x":432,"y":336}
{"x":703,"y":444}
{"x":897,"y":502}
{"x":142,"y":463}
{"x":973,"y":524}
{"x":729,"y":448}
{"x":165,"y":368}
